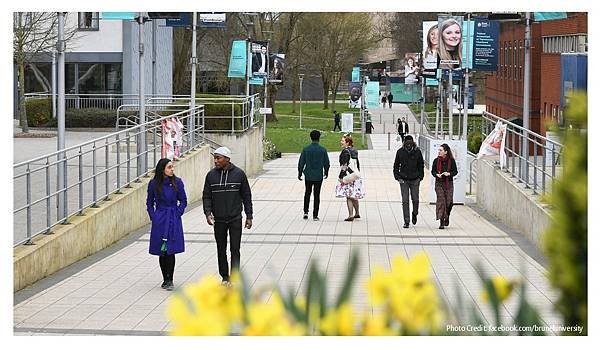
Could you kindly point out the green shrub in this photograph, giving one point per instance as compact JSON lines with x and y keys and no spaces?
{"x":219,"y":117}
{"x":90,"y":118}
{"x":474,"y":141}
{"x":39,"y":111}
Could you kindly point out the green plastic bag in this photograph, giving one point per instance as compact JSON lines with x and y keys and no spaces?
{"x":163,"y":248}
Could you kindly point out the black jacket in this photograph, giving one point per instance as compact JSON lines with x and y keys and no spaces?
{"x":445,"y":168}
{"x":409,"y":165}
{"x":345,"y":156}
{"x":224,"y":192}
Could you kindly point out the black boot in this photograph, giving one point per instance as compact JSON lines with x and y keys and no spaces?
{"x":441,"y":224}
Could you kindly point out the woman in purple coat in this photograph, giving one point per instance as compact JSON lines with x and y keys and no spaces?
{"x":166,"y":203}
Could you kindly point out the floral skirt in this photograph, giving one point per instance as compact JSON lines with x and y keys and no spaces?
{"x":354,"y":190}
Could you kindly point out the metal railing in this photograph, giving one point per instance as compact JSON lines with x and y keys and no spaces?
{"x":102,"y":101}
{"x":541,"y":163}
{"x":236,"y":114}
{"x":93,"y":171}
{"x":472,"y":174}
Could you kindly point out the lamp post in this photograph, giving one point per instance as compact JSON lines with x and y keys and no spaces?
{"x":192,"y":121}
{"x":61,"y":169}
{"x":301,"y":78}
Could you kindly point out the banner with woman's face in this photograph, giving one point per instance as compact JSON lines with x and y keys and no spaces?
{"x":450,"y":39}
{"x":430,"y":45}
{"x":411,"y":68}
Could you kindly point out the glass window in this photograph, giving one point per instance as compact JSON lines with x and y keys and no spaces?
{"x":99,"y":78}
{"x":38,"y":77}
{"x":88,"y":21}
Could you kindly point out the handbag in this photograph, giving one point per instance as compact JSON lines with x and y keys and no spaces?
{"x":352,"y":175}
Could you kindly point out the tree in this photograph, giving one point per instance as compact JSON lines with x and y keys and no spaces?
{"x":33,"y":33}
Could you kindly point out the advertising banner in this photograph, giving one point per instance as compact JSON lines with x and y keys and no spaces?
{"x":347,"y":122}
{"x":172,"y":138}
{"x":459,"y":152}
{"x":405,"y":93}
{"x":276,"y":68}
{"x":260,"y":63}
{"x":485,"y":44}
{"x":356,"y":74}
{"x":212,"y":20}
{"x":354,"y":92}
{"x":411,"y":68}
{"x":184,"y":20}
{"x":467,"y":47}
{"x":450,"y":42}
{"x":237,"y":60}
{"x":372,"y":94}
{"x":430,"y":46}
{"x":548,"y":16}
{"x":117,"y":15}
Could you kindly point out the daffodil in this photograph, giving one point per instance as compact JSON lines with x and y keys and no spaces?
{"x":378,"y":286}
{"x":503,"y":288}
{"x":338,"y":321}
{"x":376,"y":325}
{"x":270,"y":319}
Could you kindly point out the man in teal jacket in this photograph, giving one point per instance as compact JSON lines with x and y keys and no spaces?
{"x":314,"y":163}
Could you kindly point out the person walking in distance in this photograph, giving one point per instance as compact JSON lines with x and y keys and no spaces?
{"x":383,"y":99}
{"x":390,"y":99}
{"x":226,"y":188}
{"x":314,"y":164}
{"x":409,"y":172}
{"x":402,"y":128}
{"x":336,"y":120}
{"x":165,"y":203}
{"x":444,"y":170}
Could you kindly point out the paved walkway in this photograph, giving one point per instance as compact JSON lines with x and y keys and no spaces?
{"x":117,"y":291}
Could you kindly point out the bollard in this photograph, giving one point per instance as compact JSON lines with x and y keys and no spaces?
{"x":388,"y":141}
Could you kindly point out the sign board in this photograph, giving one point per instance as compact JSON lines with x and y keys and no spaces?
{"x":212,"y":20}
{"x":163,"y":15}
{"x":184,"y":20}
{"x":117,"y":15}
{"x":372,"y":92}
{"x":237,"y":60}
{"x":459,"y":151}
{"x":264,"y":110}
{"x":347,"y":122}
{"x":485,"y":44}
{"x":259,"y":61}
{"x":356,"y":74}
{"x":549,"y":16}
{"x":276,"y":68}
{"x":354,"y":93}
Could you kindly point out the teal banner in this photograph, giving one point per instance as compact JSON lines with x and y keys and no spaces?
{"x":549,"y":16}
{"x":405,"y":93}
{"x":256,"y":81}
{"x":117,"y":15}
{"x":372,"y":92}
{"x":237,"y":61}
{"x":356,"y":74}
{"x":431,"y":82}
{"x":467,"y":55}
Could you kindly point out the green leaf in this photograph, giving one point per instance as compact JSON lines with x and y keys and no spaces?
{"x":348,"y":280}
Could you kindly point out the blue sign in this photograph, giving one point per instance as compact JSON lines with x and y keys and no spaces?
{"x":431,"y":82}
{"x":237,"y":61}
{"x":549,"y":16}
{"x":356,"y":74}
{"x":256,"y":81}
{"x":467,"y":61}
{"x":118,"y":15}
{"x":184,"y":20}
{"x":372,"y":92}
{"x":573,"y":75}
{"x":457,"y":75}
{"x":485,"y":48}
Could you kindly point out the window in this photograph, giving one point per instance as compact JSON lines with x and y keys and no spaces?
{"x":564,"y":43}
{"x":88,"y":21}
{"x":515,"y":60}
{"x":99,"y":78}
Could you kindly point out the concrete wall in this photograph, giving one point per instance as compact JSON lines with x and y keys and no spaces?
{"x":512,"y":204}
{"x":245,"y":148}
{"x":100,"y":227}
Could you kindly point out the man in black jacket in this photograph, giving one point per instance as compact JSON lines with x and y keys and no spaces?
{"x":409,"y":172}
{"x":226,"y":187}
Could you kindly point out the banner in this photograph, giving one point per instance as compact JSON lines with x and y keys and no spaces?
{"x":212,"y":20}
{"x":347,"y":122}
{"x":494,"y":144}
{"x":117,"y":15}
{"x":468,"y":28}
{"x":237,"y":60}
{"x":411,"y":68}
{"x":430,"y":47}
{"x":431,"y":82}
{"x":405,"y":93}
{"x":485,"y":44}
{"x":354,"y":92}
{"x":356,"y":74}
{"x":172,"y":138}
{"x":259,"y":64}
{"x":256,"y":81}
{"x":372,"y":94}
{"x":184,"y":20}
{"x":459,"y":152}
{"x":450,"y":42}
{"x":548,"y":16}
{"x":276,"y":68}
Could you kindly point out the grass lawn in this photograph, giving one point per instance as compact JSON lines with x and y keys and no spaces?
{"x":289,"y":138}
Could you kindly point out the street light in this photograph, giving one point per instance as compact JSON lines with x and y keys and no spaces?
{"x":301,"y":78}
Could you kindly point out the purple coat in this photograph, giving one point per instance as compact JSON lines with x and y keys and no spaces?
{"x":165,"y":214}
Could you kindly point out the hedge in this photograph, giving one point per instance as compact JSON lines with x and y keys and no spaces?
{"x":90,"y":118}
{"x":39,"y":111}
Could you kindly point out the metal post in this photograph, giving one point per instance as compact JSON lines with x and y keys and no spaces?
{"x":422,"y":103}
{"x":248,"y":58}
{"x":450,"y":105}
{"x":53,"y":84}
{"x":388,"y":140}
{"x":61,"y":164}
{"x":192,"y":121}
{"x":80,"y":159}
{"x":466,"y":92}
{"x":141,"y":137}
{"x":301,"y":77}
{"x":526,"y":87}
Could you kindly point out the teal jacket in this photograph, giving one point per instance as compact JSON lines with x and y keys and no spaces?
{"x":314,"y":162}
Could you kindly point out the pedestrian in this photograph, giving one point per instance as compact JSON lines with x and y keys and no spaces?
{"x":369,"y":125}
{"x":165,"y":203}
{"x":314,"y":164}
{"x":384,"y":100}
{"x":409,"y":172}
{"x":336,"y":120}
{"x":350,"y":183}
{"x":226,"y":188}
{"x":390,"y":99}
{"x":444,"y":170}
{"x":402,"y":128}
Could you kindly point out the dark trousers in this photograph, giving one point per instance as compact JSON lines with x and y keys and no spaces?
{"x":235,"y":237}
{"x":402,"y":135}
{"x":317,"y":195}
{"x":409,"y":188}
{"x":167,"y":266}
{"x":337,"y":125}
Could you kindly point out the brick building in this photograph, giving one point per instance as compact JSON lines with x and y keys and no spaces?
{"x":504,"y":88}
